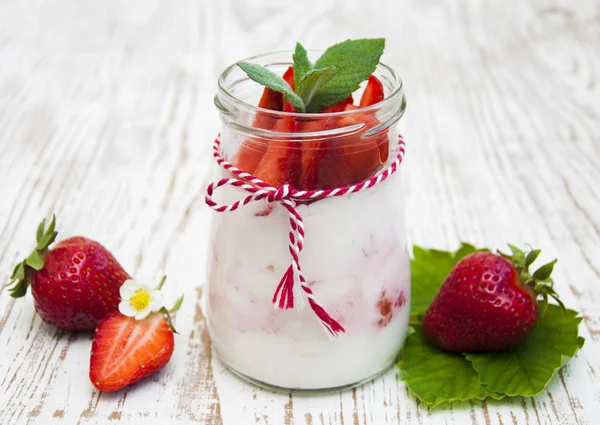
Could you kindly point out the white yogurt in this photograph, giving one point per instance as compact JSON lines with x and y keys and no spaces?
{"x":357,"y":264}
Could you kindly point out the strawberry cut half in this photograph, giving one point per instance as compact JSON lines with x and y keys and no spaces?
{"x":251,"y":152}
{"x":282,"y":160}
{"x":362,"y":153}
{"x":374,"y":94}
{"x":125,"y":350}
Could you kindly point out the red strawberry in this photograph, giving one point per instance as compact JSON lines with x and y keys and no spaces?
{"x":362,"y":152}
{"x":373,"y":92}
{"x":281,"y":162}
{"x":488,"y":302}
{"x":74,"y":285}
{"x":125,"y":350}
{"x":251,"y":152}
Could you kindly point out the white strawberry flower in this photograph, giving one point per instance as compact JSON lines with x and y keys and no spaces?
{"x":139,"y":299}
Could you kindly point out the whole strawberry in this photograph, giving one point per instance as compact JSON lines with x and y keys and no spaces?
{"x":488,"y":302}
{"x":74,"y":284}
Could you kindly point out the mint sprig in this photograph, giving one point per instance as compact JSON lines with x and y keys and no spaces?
{"x":334,"y":77}
{"x":436,"y":376}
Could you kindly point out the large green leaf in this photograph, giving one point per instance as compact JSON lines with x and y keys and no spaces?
{"x":525,"y":370}
{"x":436,"y":376}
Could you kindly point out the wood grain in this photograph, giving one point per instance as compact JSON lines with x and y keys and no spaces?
{"x":106,"y":118}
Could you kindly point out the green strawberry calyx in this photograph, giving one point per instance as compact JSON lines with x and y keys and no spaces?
{"x":21,"y":275}
{"x":539,"y":281}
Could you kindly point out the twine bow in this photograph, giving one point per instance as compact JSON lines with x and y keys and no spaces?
{"x":292,"y":289}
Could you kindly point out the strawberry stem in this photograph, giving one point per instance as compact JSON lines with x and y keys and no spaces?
{"x":539,"y":281}
{"x":161,"y":283}
{"x":167,"y":313}
{"x":21,"y":275}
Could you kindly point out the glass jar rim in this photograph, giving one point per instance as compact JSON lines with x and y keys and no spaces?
{"x":397,"y":92}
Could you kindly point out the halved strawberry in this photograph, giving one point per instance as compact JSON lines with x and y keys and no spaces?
{"x":251,"y":152}
{"x":374,"y":94}
{"x":322,"y":159}
{"x":125,"y":350}
{"x":361,"y":153}
{"x":281,"y":162}
{"x":340,"y":106}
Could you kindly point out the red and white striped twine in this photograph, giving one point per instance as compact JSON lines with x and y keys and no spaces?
{"x":287,"y":293}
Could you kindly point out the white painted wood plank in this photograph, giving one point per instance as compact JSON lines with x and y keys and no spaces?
{"x":106,"y":118}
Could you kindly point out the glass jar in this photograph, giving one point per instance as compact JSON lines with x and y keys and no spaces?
{"x":354,"y":259}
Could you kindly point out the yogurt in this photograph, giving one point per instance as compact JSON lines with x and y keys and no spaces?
{"x":355,"y":260}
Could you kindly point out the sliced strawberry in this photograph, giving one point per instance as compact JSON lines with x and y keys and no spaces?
{"x":288,"y":76}
{"x":362,"y":153}
{"x":373,"y":92}
{"x":251,"y":152}
{"x":281,"y":162}
{"x":249,"y":155}
{"x":340,"y":106}
{"x":319,"y":170}
{"x":271,"y":99}
{"x":125,"y":350}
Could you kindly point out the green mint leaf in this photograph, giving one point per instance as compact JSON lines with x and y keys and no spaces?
{"x":269,"y":79}
{"x":302,"y":64}
{"x":429,"y":268}
{"x":312,"y":82}
{"x":525,"y":370}
{"x":436,"y":376}
{"x":354,"y":61}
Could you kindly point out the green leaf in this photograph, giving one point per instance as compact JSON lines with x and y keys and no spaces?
{"x":354,"y":61}
{"x":531,"y":257}
{"x":429,"y":268}
{"x":301,"y":65}
{"x":312,"y":82}
{"x":544,"y":271}
{"x":269,"y":79}
{"x":19,"y":290}
{"x":436,"y":376}
{"x":18,"y":272}
{"x":518,"y":254}
{"x":525,"y":370}
{"x":35,"y":261}
{"x":40,"y":230}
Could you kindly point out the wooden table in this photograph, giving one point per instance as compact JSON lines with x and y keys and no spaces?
{"x":106,"y":118}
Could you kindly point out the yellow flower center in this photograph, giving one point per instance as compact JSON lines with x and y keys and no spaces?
{"x":139,"y":300}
